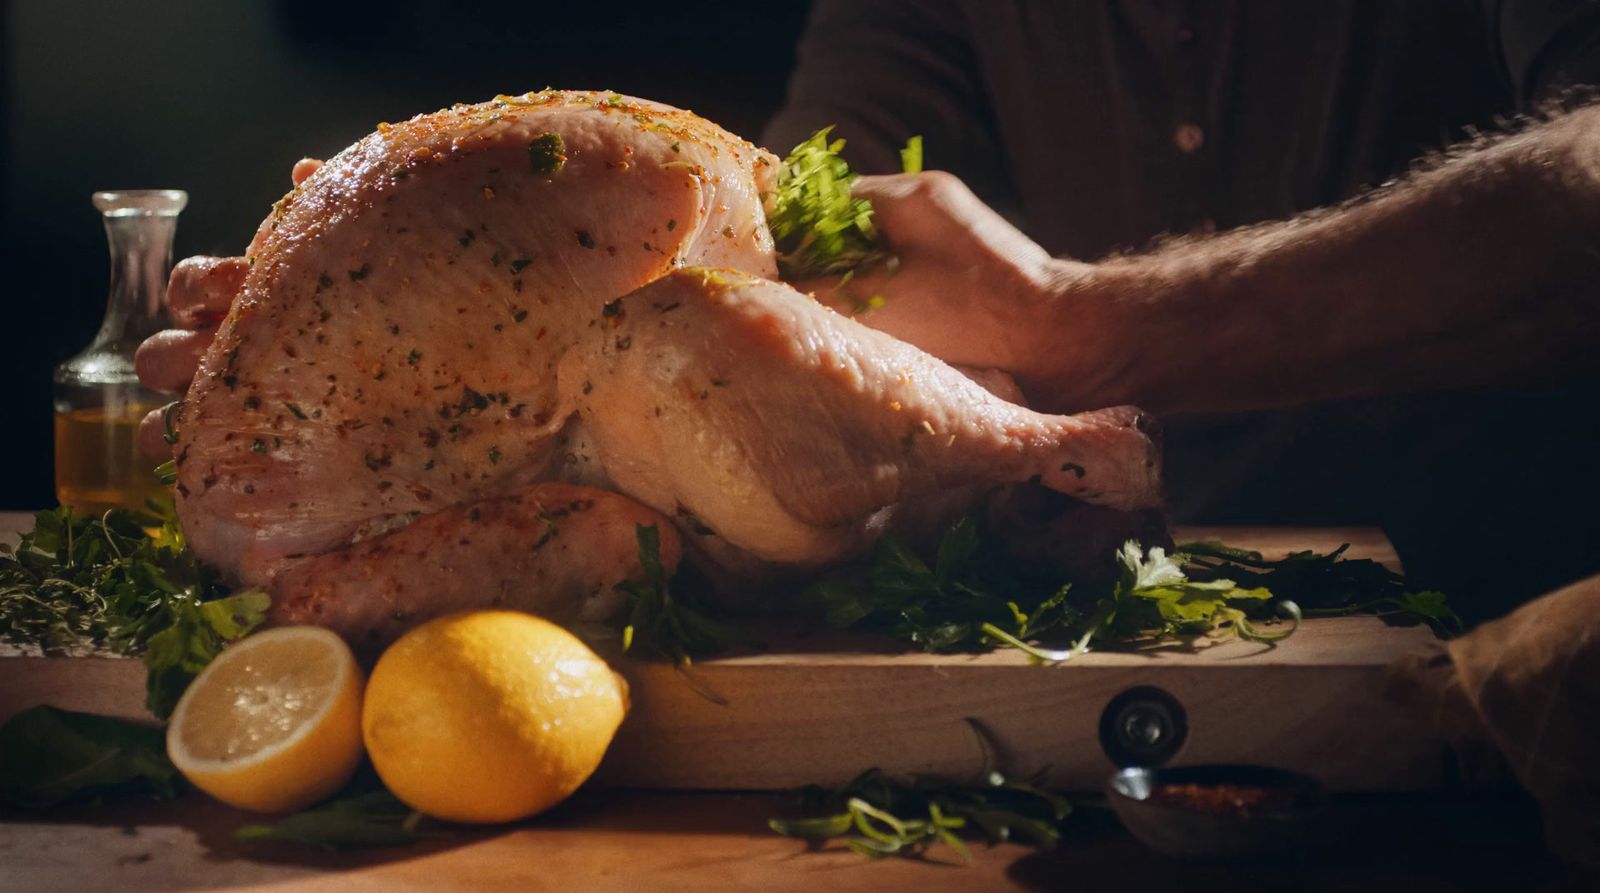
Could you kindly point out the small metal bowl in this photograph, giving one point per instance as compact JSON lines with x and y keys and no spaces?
{"x":1179,"y":830}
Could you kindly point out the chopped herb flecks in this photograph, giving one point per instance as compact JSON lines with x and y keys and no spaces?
{"x":548,"y":154}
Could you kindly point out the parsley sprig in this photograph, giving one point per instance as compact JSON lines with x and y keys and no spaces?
{"x":818,"y":226}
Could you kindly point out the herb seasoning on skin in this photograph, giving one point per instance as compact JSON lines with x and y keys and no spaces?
{"x":548,"y":154}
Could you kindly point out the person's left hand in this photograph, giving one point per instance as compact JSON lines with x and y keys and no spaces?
{"x":199,"y":293}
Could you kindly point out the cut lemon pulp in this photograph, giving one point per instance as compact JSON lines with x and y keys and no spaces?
{"x":274,"y":723}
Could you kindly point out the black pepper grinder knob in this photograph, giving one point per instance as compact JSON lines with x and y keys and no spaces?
{"x":1143,"y":726}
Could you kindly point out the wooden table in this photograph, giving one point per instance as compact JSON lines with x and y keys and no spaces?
{"x":633,"y":841}
{"x":621,"y":839}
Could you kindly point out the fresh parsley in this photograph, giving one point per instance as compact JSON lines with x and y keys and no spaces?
{"x":911,"y":156}
{"x":818,"y":227}
{"x":80,"y":583}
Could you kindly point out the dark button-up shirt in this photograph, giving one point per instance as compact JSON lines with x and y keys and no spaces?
{"x":1098,"y":126}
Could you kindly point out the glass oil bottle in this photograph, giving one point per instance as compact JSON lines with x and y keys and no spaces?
{"x":98,"y":399}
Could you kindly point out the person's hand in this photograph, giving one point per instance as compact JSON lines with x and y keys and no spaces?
{"x":971,"y":289}
{"x":964,"y":284}
{"x":199,"y":293}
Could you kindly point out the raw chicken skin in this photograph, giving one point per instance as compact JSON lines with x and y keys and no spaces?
{"x":394,"y":348}
{"x":463,"y":310}
{"x":784,"y":426}
{"x":556,"y":550}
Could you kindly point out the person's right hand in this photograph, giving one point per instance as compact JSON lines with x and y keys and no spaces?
{"x":974,"y":291}
{"x":964,"y":279}
{"x":199,"y":294}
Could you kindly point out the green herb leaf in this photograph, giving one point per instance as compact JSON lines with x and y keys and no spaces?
{"x":363,"y":815}
{"x":880,"y":815}
{"x":911,"y":156}
{"x":820,"y":828}
{"x":1326,"y":584}
{"x":669,"y":619}
{"x":196,"y":633}
{"x":818,"y":227}
{"x":972,"y":595}
{"x":76,"y":584}
{"x":547,"y":154}
{"x":1186,"y":607}
{"x":50,"y":756}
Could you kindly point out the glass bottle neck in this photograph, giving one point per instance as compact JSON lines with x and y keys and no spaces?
{"x":141,"y":253}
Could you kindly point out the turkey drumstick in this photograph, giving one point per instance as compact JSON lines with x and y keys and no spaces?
{"x":785,"y":426}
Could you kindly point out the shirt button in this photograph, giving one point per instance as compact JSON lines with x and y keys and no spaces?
{"x":1188,"y":137}
{"x":1185,"y":35}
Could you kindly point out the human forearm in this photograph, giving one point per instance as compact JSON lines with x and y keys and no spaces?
{"x":1481,"y":270}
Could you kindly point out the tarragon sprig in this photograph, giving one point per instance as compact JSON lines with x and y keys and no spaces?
{"x":667,"y":618}
{"x":970,"y":594}
{"x":877,"y":814}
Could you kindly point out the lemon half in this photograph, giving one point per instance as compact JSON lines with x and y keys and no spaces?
{"x":273,"y":723}
{"x":489,"y":716}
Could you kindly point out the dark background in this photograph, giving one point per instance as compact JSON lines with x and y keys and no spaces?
{"x":220,"y":97}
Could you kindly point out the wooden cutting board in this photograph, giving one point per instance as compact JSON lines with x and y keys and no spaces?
{"x":820,"y":706}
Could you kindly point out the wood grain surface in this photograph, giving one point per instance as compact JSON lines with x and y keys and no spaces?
{"x":605,"y":841}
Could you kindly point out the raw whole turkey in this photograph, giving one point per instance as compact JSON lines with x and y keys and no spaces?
{"x":476,"y":349}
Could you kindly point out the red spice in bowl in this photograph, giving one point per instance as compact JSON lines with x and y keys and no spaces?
{"x":1213,"y":812}
{"x":1234,"y":800}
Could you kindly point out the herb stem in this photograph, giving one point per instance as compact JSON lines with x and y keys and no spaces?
{"x":1046,"y":655}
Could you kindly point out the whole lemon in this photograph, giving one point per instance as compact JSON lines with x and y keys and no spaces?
{"x":489,"y":716}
